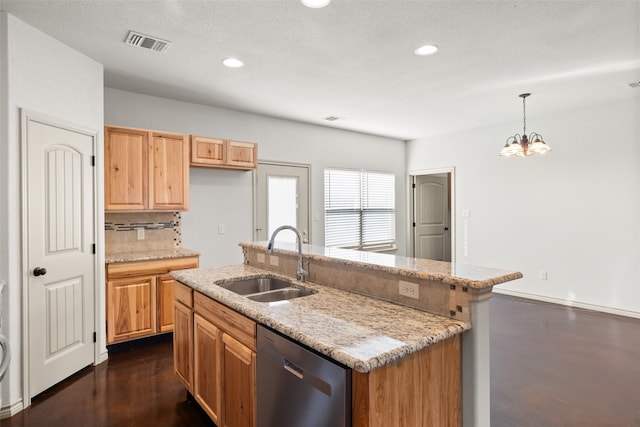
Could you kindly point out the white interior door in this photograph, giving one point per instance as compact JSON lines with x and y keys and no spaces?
{"x":432,"y":237}
{"x":282,"y":198}
{"x":60,"y":256}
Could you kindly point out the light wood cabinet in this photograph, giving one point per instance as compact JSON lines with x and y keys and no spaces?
{"x":206,"y":362}
{"x":131,"y":311}
{"x":140,"y":297}
{"x":164,"y":293}
{"x":223,"y":362}
{"x":219,"y":349}
{"x":183,"y":342}
{"x":239,"y":382}
{"x":126,"y":169}
{"x":169,"y":172}
{"x":423,"y":389}
{"x":145,"y":170}
{"x":224,"y":154}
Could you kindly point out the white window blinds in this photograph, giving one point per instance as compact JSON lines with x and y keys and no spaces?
{"x":359,"y":209}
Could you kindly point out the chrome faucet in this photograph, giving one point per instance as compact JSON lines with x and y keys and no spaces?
{"x":301,"y":274}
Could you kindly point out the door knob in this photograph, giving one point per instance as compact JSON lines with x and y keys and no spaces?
{"x":39,"y":271}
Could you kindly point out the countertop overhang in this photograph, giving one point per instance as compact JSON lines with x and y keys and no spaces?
{"x":360,"y":332}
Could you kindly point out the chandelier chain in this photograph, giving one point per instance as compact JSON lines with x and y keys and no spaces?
{"x":524,"y":115}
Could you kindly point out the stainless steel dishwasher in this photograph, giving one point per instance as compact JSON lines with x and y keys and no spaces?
{"x":297,"y":387}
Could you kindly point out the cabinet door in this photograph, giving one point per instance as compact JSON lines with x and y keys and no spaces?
{"x":131,"y":308}
{"x":206,"y":376}
{"x":165,"y":285}
{"x":239,"y":383}
{"x":169,"y":167}
{"x":183,"y":344}
{"x":207,"y":151}
{"x":125,"y":170}
{"x":242,"y":155}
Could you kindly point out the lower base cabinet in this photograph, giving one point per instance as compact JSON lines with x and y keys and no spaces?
{"x":182,"y":336}
{"x":214,"y":356}
{"x":140,"y":297}
{"x":206,"y":341}
{"x":238,"y":379}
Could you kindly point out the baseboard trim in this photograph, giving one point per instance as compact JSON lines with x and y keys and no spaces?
{"x":102,"y":358}
{"x":593,"y":307}
{"x":11,"y":410}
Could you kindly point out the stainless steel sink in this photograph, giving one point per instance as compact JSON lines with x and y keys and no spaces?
{"x":280,"y":295}
{"x":256,"y":285}
{"x":266,"y":289}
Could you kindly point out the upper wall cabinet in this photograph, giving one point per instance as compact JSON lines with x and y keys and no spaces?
{"x":145,"y":170}
{"x":221,"y":153}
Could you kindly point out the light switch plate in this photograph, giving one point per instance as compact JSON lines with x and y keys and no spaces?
{"x":260,"y":258}
{"x":140,"y":233}
{"x":273,"y":260}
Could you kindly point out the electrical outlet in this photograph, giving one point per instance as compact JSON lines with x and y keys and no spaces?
{"x":221,"y":229}
{"x":542,"y":275}
{"x":140,"y":233}
{"x":409,"y":289}
{"x":260,"y":258}
{"x":273,"y":260}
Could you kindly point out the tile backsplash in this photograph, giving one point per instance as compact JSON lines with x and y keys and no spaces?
{"x":162,"y":230}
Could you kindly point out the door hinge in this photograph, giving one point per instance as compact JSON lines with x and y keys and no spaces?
{"x":93,"y":160}
{"x":95,"y":337}
{"x":414,"y":224}
{"x":93,"y":248}
{"x":413,"y":185}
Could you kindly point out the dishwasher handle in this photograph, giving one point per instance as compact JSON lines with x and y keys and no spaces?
{"x":293,"y":369}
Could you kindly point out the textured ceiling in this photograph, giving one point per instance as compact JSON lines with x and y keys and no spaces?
{"x":354,"y":59}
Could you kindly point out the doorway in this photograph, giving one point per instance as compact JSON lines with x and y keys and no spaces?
{"x":58,"y":237}
{"x":432,"y":207}
{"x":281,"y":197}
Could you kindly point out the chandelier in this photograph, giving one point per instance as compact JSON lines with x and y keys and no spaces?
{"x":523,"y":145}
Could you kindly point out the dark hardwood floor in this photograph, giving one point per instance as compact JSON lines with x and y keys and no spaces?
{"x":558,"y":366}
{"x":550,"y":366}
{"x":136,"y":387}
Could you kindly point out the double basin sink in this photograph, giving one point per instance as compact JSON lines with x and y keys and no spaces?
{"x":266,"y":289}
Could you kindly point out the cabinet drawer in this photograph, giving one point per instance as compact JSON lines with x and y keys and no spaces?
{"x":156,"y":266}
{"x":183,"y":293}
{"x":235,"y":324}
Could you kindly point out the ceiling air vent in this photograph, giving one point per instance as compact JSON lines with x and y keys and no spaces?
{"x":332,"y":118}
{"x":147,"y":42}
{"x":634,"y":85}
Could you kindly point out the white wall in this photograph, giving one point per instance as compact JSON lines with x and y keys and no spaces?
{"x":573,"y":213}
{"x":45,"y":76}
{"x":225,"y":197}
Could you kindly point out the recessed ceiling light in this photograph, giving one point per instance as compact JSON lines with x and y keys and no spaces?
{"x":232,"y":63}
{"x":315,"y":4}
{"x":428,"y":49}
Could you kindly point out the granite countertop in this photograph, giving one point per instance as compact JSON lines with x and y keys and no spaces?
{"x":360,"y":332}
{"x":438,"y":271}
{"x":115,"y":257}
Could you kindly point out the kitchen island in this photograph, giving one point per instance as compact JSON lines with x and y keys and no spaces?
{"x":357,"y":317}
